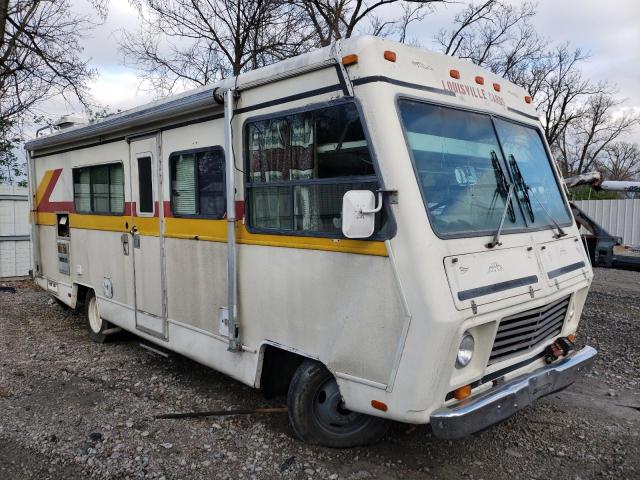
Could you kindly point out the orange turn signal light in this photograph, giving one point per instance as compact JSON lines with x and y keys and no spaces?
{"x":527,"y":99}
{"x":454,"y":73}
{"x":496,"y":87}
{"x":571,"y":337}
{"x":479,"y":80}
{"x":349,"y":59}
{"x":462,"y":392}
{"x":389,"y":55}
{"x":378,"y":405}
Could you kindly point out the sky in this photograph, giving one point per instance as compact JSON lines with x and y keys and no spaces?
{"x":610,"y":34}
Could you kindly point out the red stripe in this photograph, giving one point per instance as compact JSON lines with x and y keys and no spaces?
{"x":45,"y":205}
{"x":239,"y":209}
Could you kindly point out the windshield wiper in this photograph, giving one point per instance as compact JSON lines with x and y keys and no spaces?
{"x":524,"y":189}
{"x":496,"y":238}
{"x":502,"y":187}
{"x":504,"y":190}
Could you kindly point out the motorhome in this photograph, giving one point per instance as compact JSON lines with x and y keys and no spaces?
{"x":376,"y":230}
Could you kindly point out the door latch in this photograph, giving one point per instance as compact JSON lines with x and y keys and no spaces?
{"x":136,"y":237}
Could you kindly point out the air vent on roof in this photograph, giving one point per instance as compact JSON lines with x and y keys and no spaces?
{"x":68,"y":121}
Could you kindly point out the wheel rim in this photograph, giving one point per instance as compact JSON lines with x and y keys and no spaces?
{"x":330,"y":414}
{"x":95,"y":322}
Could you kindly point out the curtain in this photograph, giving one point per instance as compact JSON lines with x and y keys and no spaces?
{"x":116,"y":189}
{"x":183,"y":190}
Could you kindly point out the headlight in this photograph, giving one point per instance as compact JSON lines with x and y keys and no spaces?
{"x":465,"y":351}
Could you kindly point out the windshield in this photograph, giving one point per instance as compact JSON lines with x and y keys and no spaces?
{"x":524,"y":146}
{"x":464,"y":176}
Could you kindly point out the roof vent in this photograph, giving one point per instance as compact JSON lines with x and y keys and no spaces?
{"x":68,"y":121}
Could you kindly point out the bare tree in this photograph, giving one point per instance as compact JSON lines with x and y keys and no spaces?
{"x":12,"y":170}
{"x":185,"y":43}
{"x":560,"y":91}
{"x":580,"y":117}
{"x":40,"y":55}
{"x":335,"y":19}
{"x":494,"y":35}
{"x":598,"y":124}
{"x":621,"y":161}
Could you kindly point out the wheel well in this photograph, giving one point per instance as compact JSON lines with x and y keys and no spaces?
{"x":81,"y":294}
{"x":278,"y":367}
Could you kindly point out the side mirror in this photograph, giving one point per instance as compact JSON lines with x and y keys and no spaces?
{"x":359,"y":213}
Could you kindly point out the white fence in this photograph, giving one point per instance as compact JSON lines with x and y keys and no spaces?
{"x":619,"y":217}
{"x":15,"y":243}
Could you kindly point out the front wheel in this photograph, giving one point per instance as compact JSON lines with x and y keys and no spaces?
{"x":95,"y":324}
{"x":317,"y":414}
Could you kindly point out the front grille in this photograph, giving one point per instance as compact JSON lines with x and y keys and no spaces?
{"x":526,"y":330}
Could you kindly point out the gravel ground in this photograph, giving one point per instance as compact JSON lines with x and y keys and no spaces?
{"x":70,"y":408}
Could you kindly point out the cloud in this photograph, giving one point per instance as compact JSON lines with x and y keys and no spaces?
{"x":119,"y":88}
{"x":611,"y":35}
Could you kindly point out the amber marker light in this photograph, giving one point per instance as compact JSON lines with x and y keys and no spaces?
{"x":350,"y":59}
{"x":496,"y":87}
{"x":527,"y":99}
{"x":378,"y":405}
{"x":454,"y":74}
{"x":389,"y":55}
{"x":479,"y":80}
{"x":462,"y":392}
{"x":571,"y":337}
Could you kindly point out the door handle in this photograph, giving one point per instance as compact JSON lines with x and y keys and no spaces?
{"x":124,"y":238}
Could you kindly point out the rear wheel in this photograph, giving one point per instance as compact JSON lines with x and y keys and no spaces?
{"x":95,"y":324}
{"x":317,"y":414}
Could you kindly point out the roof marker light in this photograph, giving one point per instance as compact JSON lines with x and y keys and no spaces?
{"x":496,"y":87}
{"x":479,"y":80}
{"x":349,"y":59}
{"x":454,"y":73}
{"x":389,"y":55}
{"x":527,"y":99}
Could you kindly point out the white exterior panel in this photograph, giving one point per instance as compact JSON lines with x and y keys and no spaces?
{"x":15,"y":245}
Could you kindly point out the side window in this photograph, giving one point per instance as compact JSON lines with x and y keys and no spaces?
{"x":145,"y":185}
{"x":99,"y":189}
{"x":198,"y":183}
{"x":301,"y":165}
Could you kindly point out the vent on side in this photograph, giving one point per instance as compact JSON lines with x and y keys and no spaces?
{"x":526,"y":330}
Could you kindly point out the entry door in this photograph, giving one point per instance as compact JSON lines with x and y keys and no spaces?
{"x":146,"y":228}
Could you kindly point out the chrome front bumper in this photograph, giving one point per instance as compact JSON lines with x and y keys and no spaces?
{"x":499,"y":403}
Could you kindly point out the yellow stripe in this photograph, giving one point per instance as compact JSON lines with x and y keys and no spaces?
{"x":45,"y":218}
{"x":42,"y":186}
{"x":215,"y":231}
{"x":148,"y":225}
{"x":109,"y":223}
{"x":196,"y":229}
{"x":363,"y":247}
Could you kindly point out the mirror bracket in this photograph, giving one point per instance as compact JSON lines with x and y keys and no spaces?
{"x":376,"y":209}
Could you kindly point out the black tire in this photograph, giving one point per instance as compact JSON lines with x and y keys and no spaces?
{"x":316,"y":414}
{"x":95,"y":325}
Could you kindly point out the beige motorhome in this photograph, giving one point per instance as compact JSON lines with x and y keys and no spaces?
{"x":378,"y":230}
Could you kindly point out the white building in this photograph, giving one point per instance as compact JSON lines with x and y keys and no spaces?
{"x":15,"y":244}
